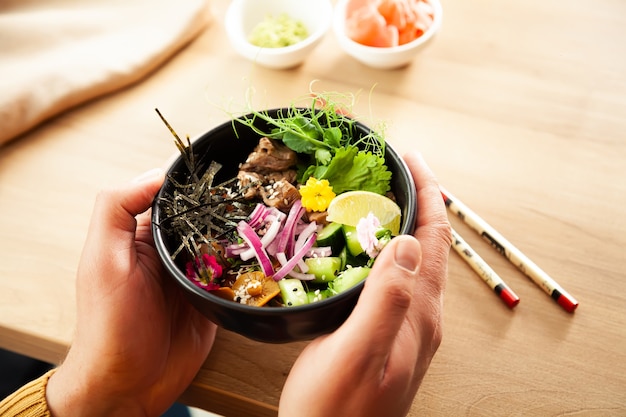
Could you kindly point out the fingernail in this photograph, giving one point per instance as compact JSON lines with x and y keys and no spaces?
{"x":148,"y":175}
{"x":408,"y":254}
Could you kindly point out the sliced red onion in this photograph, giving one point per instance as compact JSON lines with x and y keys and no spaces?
{"x":268,"y":237}
{"x":287,"y":236}
{"x":271,"y":248}
{"x":252,"y":239}
{"x":236,"y":249}
{"x":303,"y":266}
{"x":282,"y":258}
{"x":272,"y":231}
{"x":257,"y":216}
{"x":260,"y":216}
{"x":291,"y":263}
{"x":299,"y":227}
{"x":301,"y":275}
{"x":279,"y":214}
{"x":304,"y":234}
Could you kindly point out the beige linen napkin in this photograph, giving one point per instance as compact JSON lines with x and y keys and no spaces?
{"x":55,"y":54}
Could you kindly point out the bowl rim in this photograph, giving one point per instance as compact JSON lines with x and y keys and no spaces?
{"x":175,"y":272}
{"x":340,"y":33}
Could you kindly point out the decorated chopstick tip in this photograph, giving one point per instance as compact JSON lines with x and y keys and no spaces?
{"x":566,"y":301}
{"x":507,"y":295}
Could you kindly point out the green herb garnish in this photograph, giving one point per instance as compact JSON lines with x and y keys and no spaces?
{"x":337,"y":151}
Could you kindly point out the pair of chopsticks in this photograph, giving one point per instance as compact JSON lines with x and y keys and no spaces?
{"x":514,"y":255}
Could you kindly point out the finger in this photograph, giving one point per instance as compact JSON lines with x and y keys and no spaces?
{"x":383,"y":304}
{"x":111,"y":234}
{"x":114,"y":218}
{"x":109,"y":254}
{"x":433,"y":231}
{"x":432,"y":225}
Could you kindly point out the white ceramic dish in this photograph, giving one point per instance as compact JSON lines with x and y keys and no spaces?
{"x":243,"y":15}
{"x":383,"y":58}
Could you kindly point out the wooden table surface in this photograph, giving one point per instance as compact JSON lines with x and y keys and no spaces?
{"x":520,"y":109}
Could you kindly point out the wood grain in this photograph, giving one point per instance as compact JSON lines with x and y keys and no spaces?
{"x":519,"y":108}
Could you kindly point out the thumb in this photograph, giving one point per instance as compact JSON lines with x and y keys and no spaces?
{"x":113,"y":221}
{"x":389,"y":291}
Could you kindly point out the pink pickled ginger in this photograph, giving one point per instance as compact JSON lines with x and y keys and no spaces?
{"x":385,"y":23}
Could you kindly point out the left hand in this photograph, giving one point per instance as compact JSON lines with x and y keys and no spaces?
{"x":138,"y":342}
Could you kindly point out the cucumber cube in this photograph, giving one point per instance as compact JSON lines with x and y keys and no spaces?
{"x":325,"y":269}
{"x":348,"y":279}
{"x":293,"y":292}
{"x":352,"y":240}
{"x":317,"y":295}
{"x":331,"y":235}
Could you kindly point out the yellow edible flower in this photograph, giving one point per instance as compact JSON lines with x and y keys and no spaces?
{"x":316,"y":194}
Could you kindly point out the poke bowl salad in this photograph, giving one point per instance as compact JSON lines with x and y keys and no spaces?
{"x":281,"y":209}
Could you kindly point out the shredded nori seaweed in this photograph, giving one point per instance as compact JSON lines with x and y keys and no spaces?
{"x":195,"y":211}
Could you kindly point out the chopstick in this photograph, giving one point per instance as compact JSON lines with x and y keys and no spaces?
{"x":484,"y":271}
{"x":514,"y":255}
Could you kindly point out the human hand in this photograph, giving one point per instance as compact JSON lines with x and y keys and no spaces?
{"x":138,"y":342}
{"x":374,"y":363}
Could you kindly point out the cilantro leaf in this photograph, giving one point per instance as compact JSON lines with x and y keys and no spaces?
{"x":323,"y":156}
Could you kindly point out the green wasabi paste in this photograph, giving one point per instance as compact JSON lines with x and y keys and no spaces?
{"x":278,"y":32}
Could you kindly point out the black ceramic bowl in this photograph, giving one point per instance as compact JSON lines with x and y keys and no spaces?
{"x":266,"y":324}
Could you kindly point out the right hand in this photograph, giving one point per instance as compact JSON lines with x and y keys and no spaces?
{"x":374,"y":363}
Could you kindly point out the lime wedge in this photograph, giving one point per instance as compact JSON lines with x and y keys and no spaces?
{"x":350,"y":207}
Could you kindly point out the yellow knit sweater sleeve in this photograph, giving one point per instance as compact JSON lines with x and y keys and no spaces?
{"x":28,"y":401}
